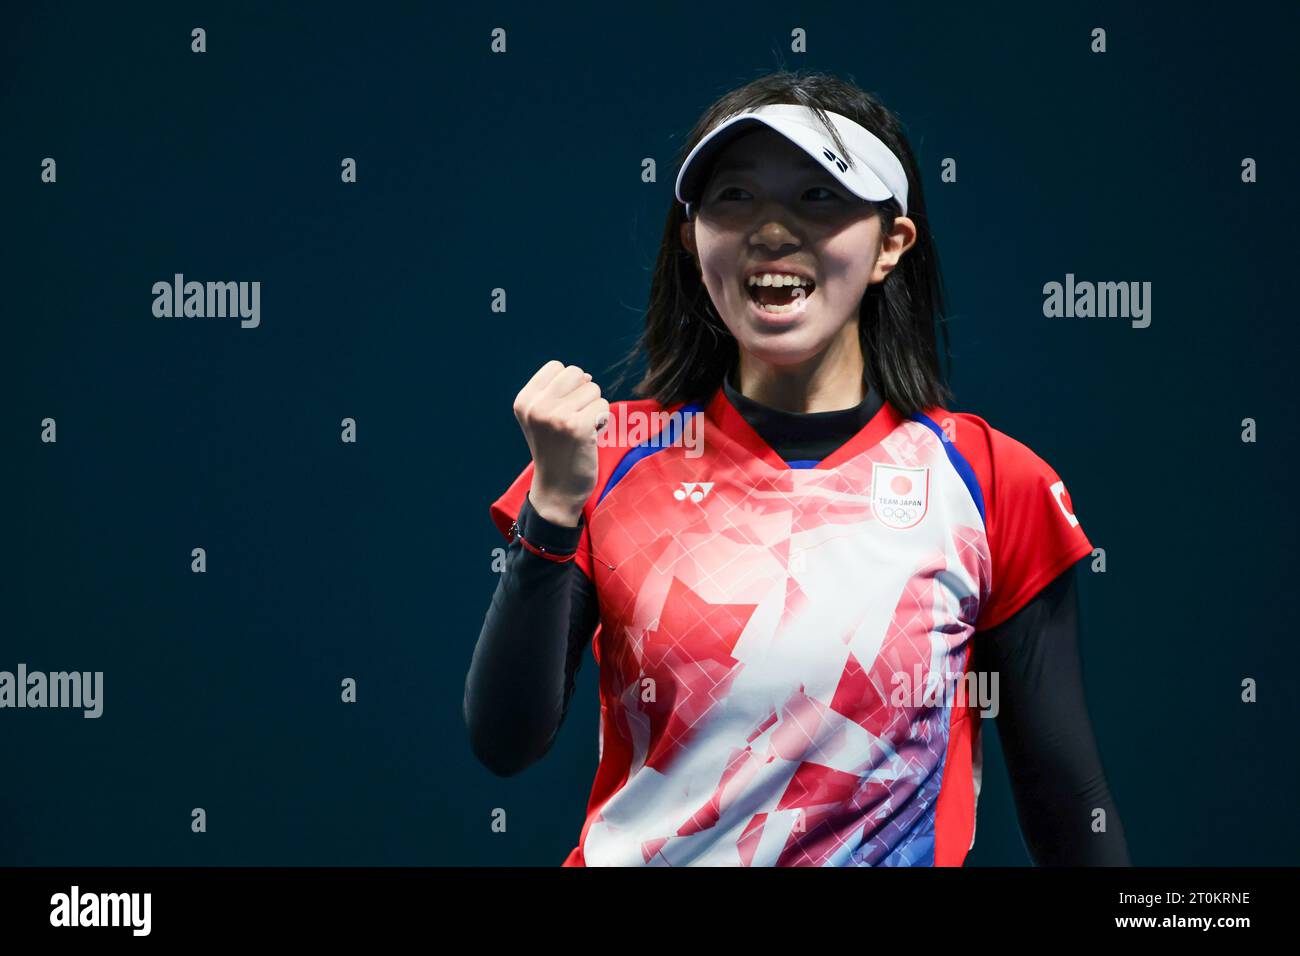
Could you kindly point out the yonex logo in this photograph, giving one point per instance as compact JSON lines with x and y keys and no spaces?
{"x":832,"y":158}
{"x":694,"y":490}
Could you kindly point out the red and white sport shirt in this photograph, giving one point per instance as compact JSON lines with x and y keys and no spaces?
{"x":783,"y":645}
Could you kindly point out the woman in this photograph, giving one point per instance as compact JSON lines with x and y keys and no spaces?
{"x":787,"y":614}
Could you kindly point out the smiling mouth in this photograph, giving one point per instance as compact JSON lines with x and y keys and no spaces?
{"x":780,"y":300}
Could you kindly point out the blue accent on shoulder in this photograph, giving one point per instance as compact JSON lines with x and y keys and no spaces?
{"x":959,"y":462}
{"x":654,"y":443}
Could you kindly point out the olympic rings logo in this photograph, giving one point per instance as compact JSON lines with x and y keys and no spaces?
{"x":897,"y":514}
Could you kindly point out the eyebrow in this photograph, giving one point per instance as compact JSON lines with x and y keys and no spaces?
{"x":744,"y":166}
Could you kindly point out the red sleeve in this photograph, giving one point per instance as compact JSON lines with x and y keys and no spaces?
{"x":1033,"y":533}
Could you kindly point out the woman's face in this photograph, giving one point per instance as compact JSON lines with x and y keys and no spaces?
{"x":769,"y":207}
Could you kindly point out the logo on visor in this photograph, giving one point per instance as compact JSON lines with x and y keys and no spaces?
{"x":832,"y":158}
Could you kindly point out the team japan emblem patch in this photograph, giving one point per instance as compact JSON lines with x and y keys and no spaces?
{"x":899,"y":496}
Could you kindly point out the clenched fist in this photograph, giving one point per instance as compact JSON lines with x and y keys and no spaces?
{"x":561,"y":413}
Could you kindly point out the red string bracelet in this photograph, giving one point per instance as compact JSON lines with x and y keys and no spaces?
{"x":538,"y":550}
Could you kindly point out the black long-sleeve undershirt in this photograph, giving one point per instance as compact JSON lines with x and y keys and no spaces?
{"x":543,"y":615}
{"x":1047,"y":740}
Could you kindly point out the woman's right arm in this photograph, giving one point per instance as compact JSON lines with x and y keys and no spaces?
{"x":541,"y":620}
{"x":543,"y":612}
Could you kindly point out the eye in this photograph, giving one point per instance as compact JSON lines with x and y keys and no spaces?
{"x":725,"y":194}
{"x":830,"y":193}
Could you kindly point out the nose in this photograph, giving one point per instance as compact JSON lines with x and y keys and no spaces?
{"x":772,"y":231}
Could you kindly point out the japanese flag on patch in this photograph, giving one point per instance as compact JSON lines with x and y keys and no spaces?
{"x":899,"y":495}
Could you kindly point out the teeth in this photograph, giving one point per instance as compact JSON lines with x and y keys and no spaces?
{"x":782,"y":309}
{"x":778,"y":279}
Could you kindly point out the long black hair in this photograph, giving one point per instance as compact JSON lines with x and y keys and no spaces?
{"x":688,"y":347}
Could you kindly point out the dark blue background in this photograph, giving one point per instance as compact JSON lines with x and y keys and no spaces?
{"x":522,"y":171}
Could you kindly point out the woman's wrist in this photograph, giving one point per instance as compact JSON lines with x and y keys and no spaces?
{"x":556,"y":511}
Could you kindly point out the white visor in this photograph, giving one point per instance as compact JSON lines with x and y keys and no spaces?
{"x":875,"y":173}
